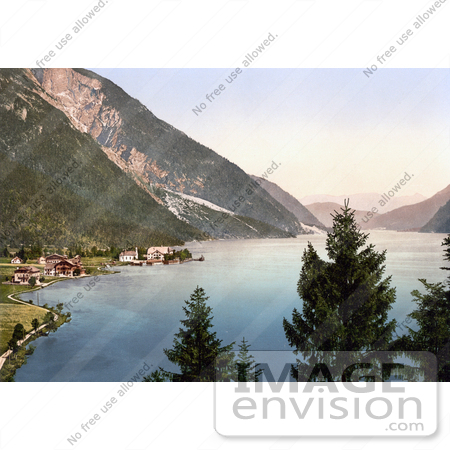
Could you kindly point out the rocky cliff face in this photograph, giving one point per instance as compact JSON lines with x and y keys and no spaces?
{"x":156,"y":154}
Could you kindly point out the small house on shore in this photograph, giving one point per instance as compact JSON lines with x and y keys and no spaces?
{"x":23,"y":274}
{"x":128,"y":255}
{"x":159,"y":252}
{"x":16,"y":260}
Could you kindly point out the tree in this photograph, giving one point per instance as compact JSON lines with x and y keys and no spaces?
{"x":59,"y":307}
{"x":247,"y":370}
{"x":51,"y":324}
{"x":76,"y":272}
{"x":345,"y":301}
{"x":19,"y":332}
{"x":432,"y":317}
{"x":12,"y":345}
{"x":5,"y":252}
{"x":35,"y":324}
{"x":196,"y":348}
{"x":32,"y":281}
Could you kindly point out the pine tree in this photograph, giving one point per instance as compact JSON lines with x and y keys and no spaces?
{"x":247,"y":370}
{"x":196,"y":349}
{"x":345,"y":301}
{"x":432,"y":317}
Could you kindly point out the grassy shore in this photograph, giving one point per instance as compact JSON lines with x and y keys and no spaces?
{"x":12,"y":312}
{"x":19,"y":358}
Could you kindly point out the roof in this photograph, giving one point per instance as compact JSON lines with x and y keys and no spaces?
{"x":162,"y":250}
{"x":65,"y":263}
{"x":50,"y":266}
{"x":55,"y":255}
{"x":27,"y":269}
{"x":15,"y":258}
{"x":128,"y":253}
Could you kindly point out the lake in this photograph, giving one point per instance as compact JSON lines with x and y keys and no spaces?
{"x":127,"y":319}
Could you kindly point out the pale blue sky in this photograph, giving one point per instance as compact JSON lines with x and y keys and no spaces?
{"x":334,"y":131}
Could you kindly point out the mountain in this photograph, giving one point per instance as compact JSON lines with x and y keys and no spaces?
{"x":440,"y":222}
{"x":364,"y":202}
{"x":324,"y":211}
{"x":412,"y":217}
{"x":59,"y":187}
{"x":155,"y":154}
{"x":289,"y":202}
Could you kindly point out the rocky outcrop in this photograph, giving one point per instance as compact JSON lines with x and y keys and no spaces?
{"x":154,"y":152}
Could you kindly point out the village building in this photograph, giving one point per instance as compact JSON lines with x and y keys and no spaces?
{"x":51,"y":259}
{"x":16,"y":260}
{"x":159,"y":252}
{"x":41,"y":260}
{"x":23,"y":274}
{"x":128,"y":255}
{"x":63,"y":268}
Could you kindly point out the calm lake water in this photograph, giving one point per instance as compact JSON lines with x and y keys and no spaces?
{"x":127,"y":319}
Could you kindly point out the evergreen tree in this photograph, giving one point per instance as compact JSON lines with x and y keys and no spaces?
{"x":432,"y":317}
{"x":345,"y":301}
{"x":196,"y":349}
{"x":19,"y":332}
{"x":247,"y":370}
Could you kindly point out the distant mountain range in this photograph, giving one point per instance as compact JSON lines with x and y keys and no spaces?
{"x":412,"y":217}
{"x":141,"y":180}
{"x":364,"y":202}
{"x":82,"y":162}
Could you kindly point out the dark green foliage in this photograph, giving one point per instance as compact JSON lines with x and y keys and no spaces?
{"x":157,"y":376}
{"x":345,"y":301}
{"x":432,"y":316}
{"x":180,"y":254}
{"x":35,"y":324}
{"x":97,"y":203}
{"x":246,"y":368}
{"x":32,"y":281}
{"x":196,"y":349}
{"x":5,"y":252}
{"x":19,"y":332}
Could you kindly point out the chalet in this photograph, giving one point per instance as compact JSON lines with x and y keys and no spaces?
{"x":23,"y":274}
{"x":128,"y":255}
{"x":63,"y":268}
{"x":16,"y":260}
{"x":55,"y":258}
{"x":159,"y":252}
{"x":41,"y":260}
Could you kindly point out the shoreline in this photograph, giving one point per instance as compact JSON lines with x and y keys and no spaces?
{"x":60,"y":320}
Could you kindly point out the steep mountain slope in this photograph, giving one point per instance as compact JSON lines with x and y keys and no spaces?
{"x":440,"y":223}
{"x":323,"y":212}
{"x":412,"y":217}
{"x":289,"y":202}
{"x":215,"y":220}
{"x":365,"y":202}
{"x":58,"y":186}
{"x":154,"y":152}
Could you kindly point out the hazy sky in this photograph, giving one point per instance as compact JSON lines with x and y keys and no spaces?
{"x":333,"y":131}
